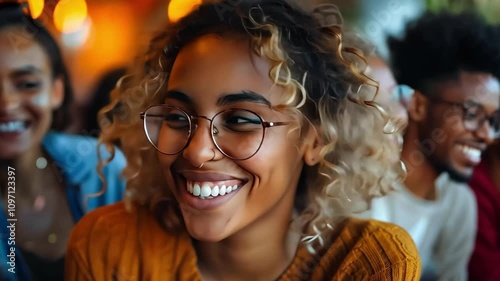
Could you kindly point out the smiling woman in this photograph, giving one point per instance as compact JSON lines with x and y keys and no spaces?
{"x":54,"y":171}
{"x":250,"y":142}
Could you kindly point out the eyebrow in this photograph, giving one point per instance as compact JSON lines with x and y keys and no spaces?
{"x":226,"y":99}
{"x":26,"y":70}
{"x":180,"y":96}
{"x":244,"y":96}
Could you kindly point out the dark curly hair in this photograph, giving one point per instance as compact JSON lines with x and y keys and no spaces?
{"x":438,"y":46}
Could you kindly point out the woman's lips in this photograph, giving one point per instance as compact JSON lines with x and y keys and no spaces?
{"x":209,"y":190}
{"x":204,"y":191}
{"x":12,"y":129}
{"x":12,"y":126}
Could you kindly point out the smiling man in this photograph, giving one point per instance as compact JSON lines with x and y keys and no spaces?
{"x":453,"y":63}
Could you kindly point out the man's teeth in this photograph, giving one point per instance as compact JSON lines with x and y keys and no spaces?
{"x":206,"y":190}
{"x":12,"y":127}
{"x":472,"y":153}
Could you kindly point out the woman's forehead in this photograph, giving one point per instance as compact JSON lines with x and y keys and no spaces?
{"x":21,"y":55}
{"x":212,"y":64}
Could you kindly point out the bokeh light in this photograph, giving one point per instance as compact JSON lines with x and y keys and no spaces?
{"x":177,"y":9}
{"x":70,"y":15}
{"x":36,"y":7}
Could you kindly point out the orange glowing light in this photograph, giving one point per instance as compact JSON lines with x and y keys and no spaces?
{"x":36,"y":7}
{"x":177,"y":9}
{"x":70,"y":15}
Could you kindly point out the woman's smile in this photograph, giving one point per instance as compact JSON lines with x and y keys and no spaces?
{"x":207,"y":190}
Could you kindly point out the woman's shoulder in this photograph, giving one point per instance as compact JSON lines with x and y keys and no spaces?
{"x":126,"y":240}
{"x":368,"y":231}
{"x":104,"y":221}
{"x":376,"y":248}
{"x":369,"y":250}
{"x":75,"y":158}
{"x":116,"y":220}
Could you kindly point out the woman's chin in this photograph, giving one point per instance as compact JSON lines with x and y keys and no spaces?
{"x":207,"y":230}
{"x":203,"y":235}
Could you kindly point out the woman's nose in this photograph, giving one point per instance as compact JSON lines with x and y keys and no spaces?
{"x":201,"y":146}
{"x":9,"y":100}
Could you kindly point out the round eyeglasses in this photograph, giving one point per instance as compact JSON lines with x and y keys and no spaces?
{"x":237,"y":133}
{"x":474,"y":116}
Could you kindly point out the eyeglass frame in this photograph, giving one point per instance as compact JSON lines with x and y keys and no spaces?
{"x":265,"y":125}
{"x":463,"y":107}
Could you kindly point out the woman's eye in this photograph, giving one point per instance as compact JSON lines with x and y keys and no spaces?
{"x":239,"y":120}
{"x":175,"y":117}
{"x":28,"y":85}
{"x":176,"y":121}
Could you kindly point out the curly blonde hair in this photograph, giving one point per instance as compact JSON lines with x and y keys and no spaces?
{"x":327,"y":91}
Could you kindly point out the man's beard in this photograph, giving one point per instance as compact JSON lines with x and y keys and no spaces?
{"x":453,"y":173}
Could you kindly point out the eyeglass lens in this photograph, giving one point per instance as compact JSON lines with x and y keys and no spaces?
{"x":237,"y":133}
{"x":475,"y":116}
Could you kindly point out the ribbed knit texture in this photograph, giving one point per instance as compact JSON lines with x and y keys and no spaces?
{"x":113,"y":244}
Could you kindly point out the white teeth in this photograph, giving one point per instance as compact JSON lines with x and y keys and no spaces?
{"x":207,"y":190}
{"x":472,"y":153}
{"x":196,"y":190}
{"x":12,"y":127}
{"x":215,"y":191}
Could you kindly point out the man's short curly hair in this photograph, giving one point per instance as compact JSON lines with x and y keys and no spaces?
{"x":438,"y":46}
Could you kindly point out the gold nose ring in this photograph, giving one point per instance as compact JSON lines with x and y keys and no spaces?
{"x":213,"y":157}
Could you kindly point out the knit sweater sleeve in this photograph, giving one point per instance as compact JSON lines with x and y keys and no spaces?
{"x":383,"y":252}
{"x":361,"y":250}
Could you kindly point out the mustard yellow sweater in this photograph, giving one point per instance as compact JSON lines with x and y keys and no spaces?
{"x":113,"y":244}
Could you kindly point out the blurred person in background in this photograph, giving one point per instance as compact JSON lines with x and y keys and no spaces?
{"x":52,"y":179}
{"x":452,"y":62}
{"x":485,"y":182}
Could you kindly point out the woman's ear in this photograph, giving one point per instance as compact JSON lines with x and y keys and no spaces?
{"x":417,"y":107}
{"x":313,"y":146}
{"x":57,"y":97}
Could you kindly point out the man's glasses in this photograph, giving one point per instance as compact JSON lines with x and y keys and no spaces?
{"x":237,"y":133}
{"x":474,"y":116}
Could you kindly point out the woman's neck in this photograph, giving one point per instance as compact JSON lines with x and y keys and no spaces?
{"x":261,"y":251}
